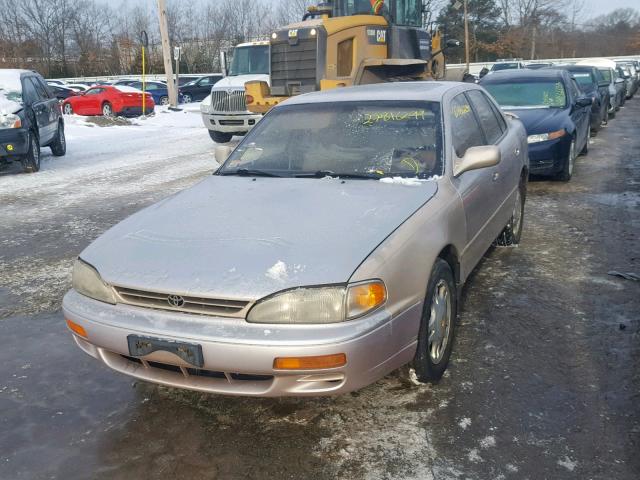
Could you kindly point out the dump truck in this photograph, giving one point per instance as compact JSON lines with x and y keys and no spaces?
{"x":342,"y":43}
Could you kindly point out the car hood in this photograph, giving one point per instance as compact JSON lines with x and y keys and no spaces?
{"x":244,"y":238}
{"x":239,"y":81}
{"x":541,"y":120}
{"x":7,"y":106}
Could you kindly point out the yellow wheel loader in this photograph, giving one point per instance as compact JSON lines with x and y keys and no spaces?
{"x":342,"y":43}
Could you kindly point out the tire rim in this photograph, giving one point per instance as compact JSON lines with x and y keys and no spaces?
{"x":572,"y":150}
{"x":186,"y":98}
{"x":439,"y":321}
{"x":106,"y":110}
{"x":36,"y":151}
{"x":67,"y":109}
{"x":516,"y":216}
{"x":164,"y":101}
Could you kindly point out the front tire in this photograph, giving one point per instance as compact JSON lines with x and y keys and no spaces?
{"x":512,"y":232}
{"x":59,"y":145}
{"x":186,"y":98}
{"x":31,"y":162}
{"x":567,"y":169}
{"x":220,"y":137}
{"x":437,"y":327}
{"x":67,"y":109}
{"x":585,"y":149}
{"x":164,"y":100}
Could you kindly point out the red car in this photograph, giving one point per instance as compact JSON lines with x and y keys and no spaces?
{"x":108,"y":100}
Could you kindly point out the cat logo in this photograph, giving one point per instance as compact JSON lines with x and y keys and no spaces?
{"x":293,"y":33}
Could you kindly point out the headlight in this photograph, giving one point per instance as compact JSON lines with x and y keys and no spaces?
{"x":205,"y":105}
{"x":319,"y":305}
{"x":10,"y":121}
{"x":543,"y":137}
{"x":87,"y":281}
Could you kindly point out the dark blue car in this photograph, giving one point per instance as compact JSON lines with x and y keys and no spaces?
{"x":555,"y":113}
{"x":158,"y":91}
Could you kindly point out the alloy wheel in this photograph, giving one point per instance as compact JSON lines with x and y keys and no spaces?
{"x":439,"y":321}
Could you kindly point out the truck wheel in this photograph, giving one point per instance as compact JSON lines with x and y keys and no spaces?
{"x":31,"y":161}
{"x":59,"y":145}
{"x":220,"y":137}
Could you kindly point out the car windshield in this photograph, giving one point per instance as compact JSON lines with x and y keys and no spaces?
{"x":250,"y":61}
{"x":504,"y":66}
{"x":585,"y":80}
{"x":348,"y":139}
{"x":11,"y":89}
{"x":531,"y":94}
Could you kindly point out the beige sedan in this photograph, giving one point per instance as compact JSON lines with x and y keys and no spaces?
{"x":327,"y":251}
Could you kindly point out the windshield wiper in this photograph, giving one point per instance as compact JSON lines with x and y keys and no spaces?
{"x":330,"y":173}
{"x":250,"y":172}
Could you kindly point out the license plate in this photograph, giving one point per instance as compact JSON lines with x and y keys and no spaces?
{"x":142,"y":346}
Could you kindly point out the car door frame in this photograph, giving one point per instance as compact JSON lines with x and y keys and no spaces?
{"x":581,"y":116}
{"x":52,"y":108}
{"x":475,"y":191}
{"x":37,"y":108}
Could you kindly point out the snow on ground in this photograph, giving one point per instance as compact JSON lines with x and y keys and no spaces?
{"x":101,"y":159}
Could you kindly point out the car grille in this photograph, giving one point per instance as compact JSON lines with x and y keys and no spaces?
{"x":293,"y":67}
{"x":228,"y":101}
{"x":198,"y":305}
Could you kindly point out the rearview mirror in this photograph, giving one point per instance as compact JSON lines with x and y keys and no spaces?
{"x":222,"y":152}
{"x":584,"y":101}
{"x":478,"y":157}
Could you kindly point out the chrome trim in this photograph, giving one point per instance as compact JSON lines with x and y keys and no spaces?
{"x":228,"y":101}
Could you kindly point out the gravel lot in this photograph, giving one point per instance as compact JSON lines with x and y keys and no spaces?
{"x":544,"y":381}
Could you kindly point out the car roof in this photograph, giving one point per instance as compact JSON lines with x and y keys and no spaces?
{"x":523,"y":74}
{"x":407,"y":91}
{"x":581,"y":68}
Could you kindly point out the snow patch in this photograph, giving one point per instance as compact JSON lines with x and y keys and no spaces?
{"x":488,"y":442}
{"x":464,"y":423}
{"x":278,"y":271}
{"x":474,"y":456}
{"x":567,"y":463}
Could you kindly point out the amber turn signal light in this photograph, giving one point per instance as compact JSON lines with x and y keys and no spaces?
{"x":77,"y":329}
{"x":310,"y":363}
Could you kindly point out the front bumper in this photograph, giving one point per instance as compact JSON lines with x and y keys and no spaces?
{"x":238,"y":356}
{"x":14,"y":142}
{"x":239,"y":123}
{"x":547,"y":158}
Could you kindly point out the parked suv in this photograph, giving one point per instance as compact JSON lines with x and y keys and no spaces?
{"x":30,"y":118}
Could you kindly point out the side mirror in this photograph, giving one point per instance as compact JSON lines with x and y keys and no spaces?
{"x":619,"y":80}
{"x":478,"y":157}
{"x":222,"y":152}
{"x":453,"y":43}
{"x":584,"y":101}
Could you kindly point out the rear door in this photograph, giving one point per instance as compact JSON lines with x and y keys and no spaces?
{"x":38,"y":107}
{"x":92,"y":101}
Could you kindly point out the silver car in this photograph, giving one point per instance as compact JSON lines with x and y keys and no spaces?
{"x":327,"y":251}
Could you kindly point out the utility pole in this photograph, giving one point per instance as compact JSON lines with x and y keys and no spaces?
{"x":466,"y":34}
{"x":166,"y":53}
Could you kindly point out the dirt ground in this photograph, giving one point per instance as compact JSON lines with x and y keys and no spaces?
{"x":544,"y":381}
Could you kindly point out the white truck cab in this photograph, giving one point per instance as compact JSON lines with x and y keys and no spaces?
{"x":224,"y":111}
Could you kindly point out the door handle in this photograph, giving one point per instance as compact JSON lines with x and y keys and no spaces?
{"x":496,"y":175}
{"x":516,"y":151}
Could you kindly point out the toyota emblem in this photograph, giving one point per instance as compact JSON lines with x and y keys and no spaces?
{"x":175,"y":300}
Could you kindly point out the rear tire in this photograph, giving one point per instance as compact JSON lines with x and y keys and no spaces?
{"x":59,"y":145}
{"x":164,"y":100}
{"x":67,"y":109}
{"x":31,"y":161}
{"x":567,"y":169}
{"x":437,"y":327}
{"x":220,"y":137}
{"x":512,"y":232}
{"x":186,"y":98}
{"x":107,"y":110}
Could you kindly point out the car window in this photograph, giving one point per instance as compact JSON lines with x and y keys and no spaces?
{"x":151,"y":86}
{"x":42,"y":87}
{"x":488,"y":120}
{"x":575,"y":89}
{"x":29,"y":91}
{"x":94,"y":91}
{"x":205,"y":82}
{"x":499,"y":116}
{"x":465,"y":128}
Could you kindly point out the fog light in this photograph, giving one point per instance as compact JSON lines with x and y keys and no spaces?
{"x":249,"y":99}
{"x":9,"y":148}
{"x":77,"y":329}
{"x":310,"y":363}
